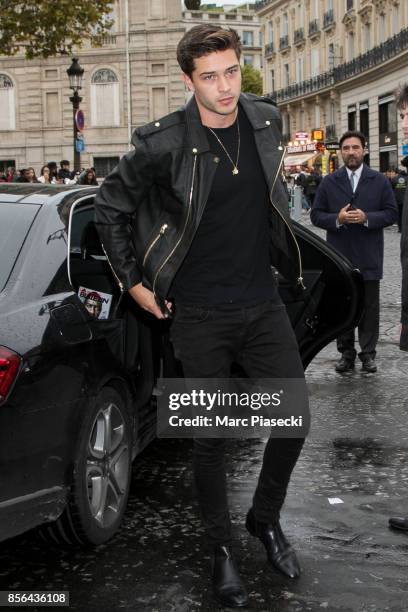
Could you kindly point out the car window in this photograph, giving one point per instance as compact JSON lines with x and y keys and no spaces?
{"x":90,"y":272}
{"x":15,"y":222}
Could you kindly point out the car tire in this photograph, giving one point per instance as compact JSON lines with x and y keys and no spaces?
{"x":101,"y":475}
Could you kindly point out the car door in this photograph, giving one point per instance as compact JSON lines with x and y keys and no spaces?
{"x":332,"y":300}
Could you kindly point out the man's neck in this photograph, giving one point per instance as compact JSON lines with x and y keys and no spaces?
{"x":215,"y":120}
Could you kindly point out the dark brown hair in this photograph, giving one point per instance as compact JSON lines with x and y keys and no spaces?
{"x":203,"y":40}
{"x":402,"y":97}
{"x":353,"y":134}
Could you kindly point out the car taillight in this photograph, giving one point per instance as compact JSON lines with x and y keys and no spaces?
{"x":9,"y":367}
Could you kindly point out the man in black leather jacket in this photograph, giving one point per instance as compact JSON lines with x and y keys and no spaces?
{"x":400,"y":522}
{"x":191,"y":222}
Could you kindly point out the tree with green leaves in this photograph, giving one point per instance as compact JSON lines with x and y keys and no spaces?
{"x":251,"y":80}
{"x":42,"y":28}
{"x":192,"y":5}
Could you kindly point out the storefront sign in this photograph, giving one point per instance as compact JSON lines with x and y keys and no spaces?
{"x":332,"y":146}
{"x":301,"y":148}
{"x":301,"y":136}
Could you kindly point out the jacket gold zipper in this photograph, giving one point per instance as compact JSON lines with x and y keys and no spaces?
{"x":113,"y":271}
{"x":184,"y":228}
{"x":159,"y":235}
{"x":300,"y":278}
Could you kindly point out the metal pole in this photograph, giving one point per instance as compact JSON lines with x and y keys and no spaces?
{"x":76,"y":100}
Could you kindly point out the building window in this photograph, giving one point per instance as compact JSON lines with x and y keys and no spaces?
{"x":7,"y":103}
{"x":272,"y":73}
{"x":52,"y":111}
{"x":301,"y":121}
{"x":381,"y":28}
{"x":367,"y":36}
{"x":395,"y":19}
{"x":159,"y":102}
{"x":260,"y":38}
{"x":285,"y":24}
{"x":51,"y":74}
{"x":270,"y":31}
{"x":331,"y":56}
{"x":301,"y":15}
{"x":329,"y":5}
{"x":387,"y":116}
{"x":317,"y":116}
{"x":248,"y":59}
{"x":105,"y":99}
{"x":104,"y":165}
{"x":349,"y":5}
{"x":364,"y":127}
{"x":248,"y":38}
{"x":315,"y":9}
{"x":299,"y":69}
{"x":350,"y":45}
{"x":332,"y":114}
{"x":286,"y":79}
{"x":315,"y":63}
{"x":352,"y":118}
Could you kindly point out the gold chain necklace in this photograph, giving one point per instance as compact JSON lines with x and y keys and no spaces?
{"x":234,"y":166}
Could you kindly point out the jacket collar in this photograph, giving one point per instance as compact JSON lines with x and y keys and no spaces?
{"x":196,"y":132}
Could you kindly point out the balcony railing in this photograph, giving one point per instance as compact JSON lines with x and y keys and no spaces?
{"x":298,"y":36}
{"x":314,"y":27}
{"x":328,"y":18}
{"x":269,"y":50}
{"x":284,"y":43}
{"x":331,"y":132}
{"x":375,"y":57}
{"x":261,"y":4}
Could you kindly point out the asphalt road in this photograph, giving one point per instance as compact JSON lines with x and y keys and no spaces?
{"x":356,"y":452}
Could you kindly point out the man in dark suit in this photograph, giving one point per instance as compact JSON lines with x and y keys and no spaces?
{"x":354,"y":204}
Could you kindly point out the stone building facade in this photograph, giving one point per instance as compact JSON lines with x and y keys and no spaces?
{"x":335,"y":65}
{"x":132,"y":79}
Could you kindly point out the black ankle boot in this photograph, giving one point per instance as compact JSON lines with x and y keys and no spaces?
{"x":279,"y":552}
{"x":228,"y":587}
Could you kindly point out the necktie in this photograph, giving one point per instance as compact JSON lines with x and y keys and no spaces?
{"x":353,"y":181}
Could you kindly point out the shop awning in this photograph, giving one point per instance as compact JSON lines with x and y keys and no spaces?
{"x":297,"y":160}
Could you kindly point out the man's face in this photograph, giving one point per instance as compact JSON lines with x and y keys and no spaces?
{"x":404,"y":120}
{"x":352,"y":153}
{"x":216,"y":83}
{"x":93,"y":307}
{"x":29,"y":174}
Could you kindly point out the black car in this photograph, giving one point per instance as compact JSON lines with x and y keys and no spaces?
{"x":79,"y":361}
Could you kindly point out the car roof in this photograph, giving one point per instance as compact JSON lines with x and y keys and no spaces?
{"x":38,"y":193}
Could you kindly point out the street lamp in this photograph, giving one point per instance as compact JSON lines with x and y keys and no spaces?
{"x":75,"y":73}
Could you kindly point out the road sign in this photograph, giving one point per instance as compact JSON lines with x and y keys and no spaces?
{"x":80,"y":144}
{"x":80,"y":120}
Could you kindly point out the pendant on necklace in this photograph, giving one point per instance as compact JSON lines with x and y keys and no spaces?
{"x":235,"y":170}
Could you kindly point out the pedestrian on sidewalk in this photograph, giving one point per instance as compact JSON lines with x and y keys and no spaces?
{"x":354,"y":204}
{"x":195,"y":192}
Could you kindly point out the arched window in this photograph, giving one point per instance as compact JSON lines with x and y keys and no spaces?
{"x":7,"y":103}
{"x":105,"y":98}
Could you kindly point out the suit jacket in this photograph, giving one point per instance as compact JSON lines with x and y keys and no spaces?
{"x":363,"y":245}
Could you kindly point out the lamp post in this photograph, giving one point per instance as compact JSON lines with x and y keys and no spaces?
{"x":75,"y":73}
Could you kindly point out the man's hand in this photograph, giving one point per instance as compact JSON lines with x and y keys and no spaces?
{"x":145,"y":298}
{"x":351,"y":215}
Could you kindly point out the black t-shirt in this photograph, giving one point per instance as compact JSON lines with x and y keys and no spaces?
{"x":228,"y":261}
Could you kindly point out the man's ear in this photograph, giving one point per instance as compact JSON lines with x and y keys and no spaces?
{"x":187,"y":81}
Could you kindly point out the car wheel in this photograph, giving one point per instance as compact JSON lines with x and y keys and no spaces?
{"x":102,"y":474}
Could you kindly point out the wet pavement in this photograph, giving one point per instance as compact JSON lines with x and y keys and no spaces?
{"x":356,"y":452}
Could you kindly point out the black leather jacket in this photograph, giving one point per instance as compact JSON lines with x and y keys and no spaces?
{"x":149,"y":208}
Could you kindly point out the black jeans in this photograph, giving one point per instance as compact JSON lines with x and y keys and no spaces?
{"x":368,"y":327}
{"x":261,"y":340}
